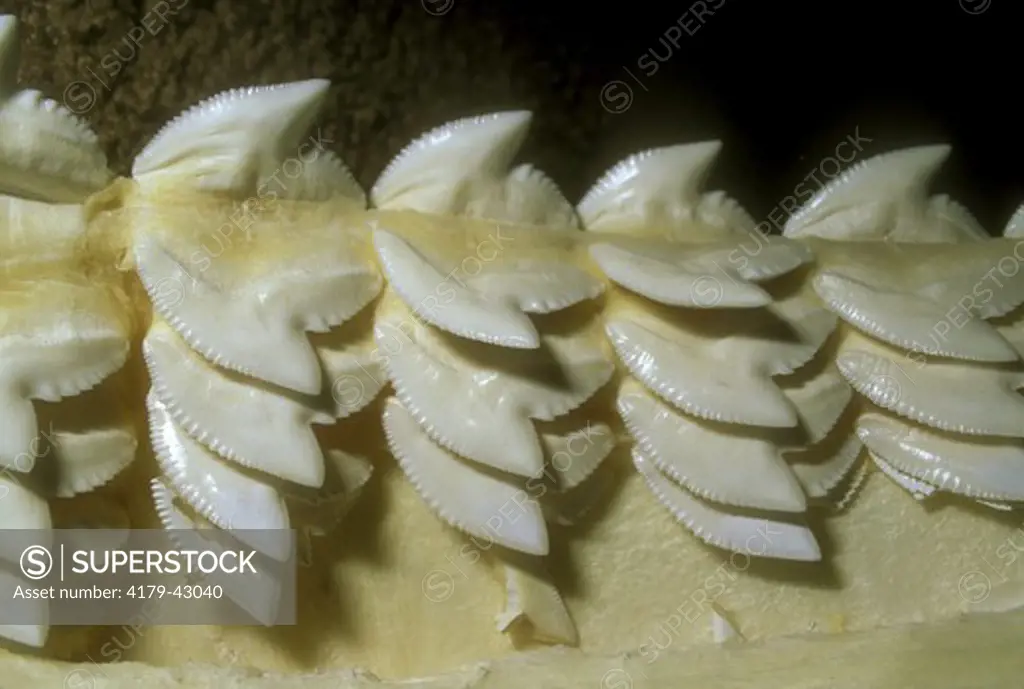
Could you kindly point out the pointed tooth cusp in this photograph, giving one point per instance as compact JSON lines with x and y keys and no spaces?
{"x":572,"y":458}
{"x":223,"y":495}
{"x":661,"y":189}
{"x":207,"y":404}
{"x":909,"y":321}
{"x":463,"y":497}
{"x":916,"y":487}
{"x":238,"y":139}
{"x":462,"y":168}
{"x":984,"y":470}
{"x":883,"y":197}
{"x":530,"y":595}
{"x":46,"y":152}
{"x":714,"y":464}
{"x":88,"y":460}
{"x":789,"y":541}
{"x":821,"y":468}
{"x":467,"y":313}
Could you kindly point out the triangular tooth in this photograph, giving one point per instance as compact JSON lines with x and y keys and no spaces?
{"x":963,"y":465}
{"x":319,"y":513}
{"x":675,"y":283}
{"x":46,"y":152}
{"x":530,"y":596}
{"x":712,"y":463}
{"x":1015,"y":226}
{"x":573,"y":457}
{"x":356,"y":379}
{"x":851,"y":205}
{"x":225,"y":496}
{"x":22,"y":508}
{"x":255,"y":324}
{"x":659,"y":187}
{"x":761,"y":537}
{"x":945,"y":394}
{"x":207,"y":404}
{"x":90,"y":459}
{"x":722,"y":629}
{"x":465,"y":498}
{"x":908,"y":321}
{"x":819,"y":402}
{"x":235,"y":140}
{"x":442,"y":170}
{"x":465,"y":313}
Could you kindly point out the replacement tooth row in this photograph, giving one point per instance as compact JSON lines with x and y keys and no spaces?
{"x":65,"y":322}
{"x":280,"y":308}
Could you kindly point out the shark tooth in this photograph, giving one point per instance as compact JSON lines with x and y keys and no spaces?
{"x":21,"y":508}
{"x":530,"y":596}
{"x":207,"y":404}
{"x":774,"y":539}
{"x":948,"y":395}
{"x":462,"y":168}
{"x":260,"y":595}
{"x":235,"y":141}
{"x":492,"y":390}
{"x":710,"y":461}
{"x":321,"y":512}
{"x":34,"y":633}
{"x":956,"y":464}
{"x":90,"y":459}
{"x":225,"y":496}
{"x":823,"y":466}
{"x":465,"y":498}
{"x":46,"y":152}
{"x":357,"y":378}
{"x":573,"y":457}
{"x":917,"y":488}
{"x":908,"y":321}
{"x":467,"y":313}
{"x":965,"y":226}
{"x":867,"y":200}
{"x":57,"y":340}
{"x":537,"y":286}
{"x":265,"y":338}
{"x":658,"y":188}
{"x":819,"y":401}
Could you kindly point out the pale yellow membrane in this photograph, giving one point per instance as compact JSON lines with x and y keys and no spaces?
{"x":400,"y":594}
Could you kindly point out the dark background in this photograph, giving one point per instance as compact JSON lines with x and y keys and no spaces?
{"x":780,"y":83}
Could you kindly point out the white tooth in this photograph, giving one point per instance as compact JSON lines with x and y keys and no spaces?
{"x":947,"y":395}
{"x":722,"y":630}
{"x":966,"y":466}
{"x":256,"y":324}
{"x":727,"y":378}
{"x":57,"y":340}
{"x":819,"y":402}
{"x":1015,"y":226}
{"x":46,"y":152}
{"x":491,"y":391}
{"x":573,"y":457}
{"x":21,"y":508}
{"x":356,"y":379}
{"x":237,"y":140}
{"x":225,"y":496}
{"x":821,"y":468}
{"x":979,"y":279}
{"x":909,"y":322}
{"x":463,"y":497}
{"x":713,"y":463}
{"x":536,"y":286}
{"x":657,"y":188}
{"x":462,"y":168}
{"x":259,"y":594}
{"x":465,"y":313}
{"x":531,"y":596}
{"x":34,"y":633}
{"x":675,"y":283}
{"x":881,"y":197}
{"x":90,"y":459}
{"x":717,"y":528}
{"x":919,"y":489}
{"x":207,"y":404}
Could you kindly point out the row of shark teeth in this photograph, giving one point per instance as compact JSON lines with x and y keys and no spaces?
{"x":46,"y":152}
{"x":62,"y":334}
